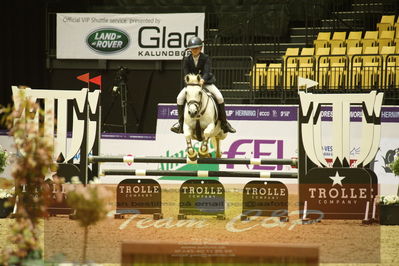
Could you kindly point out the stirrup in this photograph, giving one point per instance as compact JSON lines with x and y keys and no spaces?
{"x":177,"y":128}
{"x":226,"y":127}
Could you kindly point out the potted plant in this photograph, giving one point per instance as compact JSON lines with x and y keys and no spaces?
{"x":3,"y":159}
{"x":5,"y":203}
{"x":6,"y":192}
{"x":389,"y":205}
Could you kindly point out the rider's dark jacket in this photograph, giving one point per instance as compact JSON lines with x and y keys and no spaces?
{"x":203,"y":67}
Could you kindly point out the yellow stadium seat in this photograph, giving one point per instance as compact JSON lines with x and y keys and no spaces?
{"x":386,"y":38}
{"x":370,"y":39}
{"x":258,"y":75}
{"x":273,"y":76}
{"x":389,"y":65}
{"x":291,"y":64}
{"x":306,"y":56}
{"x":353,"y":39}
{"x":289,"y":53}
{"x":306,"y":63}
{"x":338,"y":66}
{"x":355,"y":65}
{"x":396,"y":28}
{"x":322,"y":66}
{"x":371,"y":68}
{"x":338,"y":39}
{"x":322,"y":40}
{"x":386,"y":23}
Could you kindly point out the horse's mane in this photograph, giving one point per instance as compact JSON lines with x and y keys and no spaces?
{"x":192,"y":79}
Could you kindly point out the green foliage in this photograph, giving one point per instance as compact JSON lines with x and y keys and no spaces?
{"x":26,"y":248}
{"x":395,"y":166}
{"x":3,"y":159}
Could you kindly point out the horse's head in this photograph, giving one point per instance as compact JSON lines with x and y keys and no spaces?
{"x":193,"y":94}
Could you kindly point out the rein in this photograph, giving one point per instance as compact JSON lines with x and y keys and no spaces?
{"x":199,"y":104}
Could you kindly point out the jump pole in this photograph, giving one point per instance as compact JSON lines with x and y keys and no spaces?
{"x":248,"y":174}
{"x":154,"y":159}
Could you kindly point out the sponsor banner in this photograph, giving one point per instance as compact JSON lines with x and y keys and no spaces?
{"x":126,"y":36}
{"x":281,"y":113}
{"x":244,"y":112}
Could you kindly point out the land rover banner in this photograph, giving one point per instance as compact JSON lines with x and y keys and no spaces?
{"x":126,"y":36}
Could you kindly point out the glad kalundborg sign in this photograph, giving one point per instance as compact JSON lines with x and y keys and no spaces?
{"x":126,"y":36}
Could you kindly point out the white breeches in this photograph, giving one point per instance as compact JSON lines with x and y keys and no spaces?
{"x":181,"y":97}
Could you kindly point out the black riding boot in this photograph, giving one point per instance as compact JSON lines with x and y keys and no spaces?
{"x":226,"y":127}
{"x":178,"y":127}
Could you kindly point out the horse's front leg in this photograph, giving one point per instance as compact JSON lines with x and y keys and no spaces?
{"x":191,"y":153}
{"x":204,"y":145}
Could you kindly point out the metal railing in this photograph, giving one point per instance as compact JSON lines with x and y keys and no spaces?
{"x":232,"y":76}
{"x":334,"y":73}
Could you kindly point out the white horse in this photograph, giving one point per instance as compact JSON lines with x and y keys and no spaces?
{"x":201,"y":119}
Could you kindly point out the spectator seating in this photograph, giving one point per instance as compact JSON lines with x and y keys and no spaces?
{"x":291,"y":64}
{"x":338,"y":39}
{"x":371,"y":66}
{"x":386,"y":23}
{"x":386,"y":38}
{"x":371,"y":62}
{"x":369,"y":39}
{"x":389,"y":66}
{"x":353,"y":39}
{"x":322,"y":65}
{"x":322,"y":40}
{"x":338,"y":64}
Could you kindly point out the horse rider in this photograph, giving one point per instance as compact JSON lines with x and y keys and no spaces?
{"x":200,"y":63}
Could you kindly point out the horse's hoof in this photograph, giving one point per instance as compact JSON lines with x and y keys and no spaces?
{"x":192,"y":154}
{"x":192,"y":158}
{"x":203,"y":154}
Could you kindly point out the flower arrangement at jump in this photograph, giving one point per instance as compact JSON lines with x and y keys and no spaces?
{"x":3,"y":159}
{"x":392,"y":199}
{"x":7,"y":190}
{"x":389,"y":205}
{"x":6,"y":193}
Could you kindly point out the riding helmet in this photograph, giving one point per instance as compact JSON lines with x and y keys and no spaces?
{"x":194,"y":42}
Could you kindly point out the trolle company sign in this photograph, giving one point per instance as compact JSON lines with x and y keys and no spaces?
{"x":126,"y":36}
{"x":138,"y":196}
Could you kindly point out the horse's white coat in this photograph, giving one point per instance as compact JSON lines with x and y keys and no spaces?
{"x":200,"y":108}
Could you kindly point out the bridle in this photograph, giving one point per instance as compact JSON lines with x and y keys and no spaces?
{"x":198,"y":104}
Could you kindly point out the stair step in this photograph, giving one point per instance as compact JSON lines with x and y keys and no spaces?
{"x":302,"y":38}
{"x":362,"y":7}
{"x":309,"y":31}
{"x":342,"y":25}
